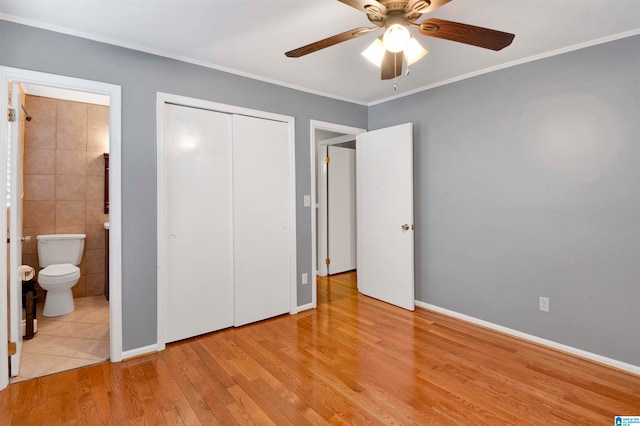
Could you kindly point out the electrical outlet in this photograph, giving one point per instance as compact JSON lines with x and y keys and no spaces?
{"x":305,"y":278}
{"x":544,"y":304}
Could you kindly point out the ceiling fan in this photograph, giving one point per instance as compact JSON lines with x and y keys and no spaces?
{"x":395,"y":16}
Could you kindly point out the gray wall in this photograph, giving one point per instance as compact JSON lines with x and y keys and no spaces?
{"x":527,"y":186}
{"x":525,"y":181}
{"x":141,"y":76}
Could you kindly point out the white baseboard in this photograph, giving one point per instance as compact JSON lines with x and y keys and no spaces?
{"x":305,"y":307}
{"x":145,"y":350}
{"x":549,"y":343}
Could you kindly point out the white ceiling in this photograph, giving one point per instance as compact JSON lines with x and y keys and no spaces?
{"x":249,"y":37}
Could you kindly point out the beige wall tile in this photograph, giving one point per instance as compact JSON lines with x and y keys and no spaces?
{"x":71,"y":137}
{"x":39,"y":161}
{"x":71,"y":162}
{"x":69,"y":213}
{"x":36,"y":214}
{"x":43,"y":110}
{"x":95,"y":261}
{"x":72,"y":113}
{"x":41,"y":294}
{"x":95,"y":213}
{"x":71,"y":188}
{"x":95,"y":188}
{"x":98,"y":139}
{"x":31,"y":246}
{"x":57,"y":149}
{"x":39,"y":187}
{"x":31,"y":259}
{"x":95,"y":163}
{"x":72,"y":229}
{"x":39,"y":135}
{"x":97,"y":115}
{"x":95,"y":284}
{"x":95,"y":237}
{"x":80,"y":289}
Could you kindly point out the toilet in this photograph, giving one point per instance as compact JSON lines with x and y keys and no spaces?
{"x":59,"y":254}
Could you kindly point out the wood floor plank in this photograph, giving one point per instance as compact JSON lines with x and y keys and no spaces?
{"x":352,"y":360}
{"x":198,"y":408}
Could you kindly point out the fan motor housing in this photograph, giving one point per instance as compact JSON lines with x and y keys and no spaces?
{"x":394,"y":8}
{"x":394,"y":5}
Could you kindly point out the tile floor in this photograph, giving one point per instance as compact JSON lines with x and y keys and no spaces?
{"x":70,"y":341}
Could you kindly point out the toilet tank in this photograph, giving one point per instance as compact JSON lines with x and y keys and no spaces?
{"x":60,"y":248}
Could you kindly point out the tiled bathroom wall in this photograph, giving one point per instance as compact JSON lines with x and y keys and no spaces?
{"x":63,"y":182}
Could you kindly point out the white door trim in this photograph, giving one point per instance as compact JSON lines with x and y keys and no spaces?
{"x":161,"y":100}
{"x":8,"y":75}
{"x":322,"y":192}
{"x":15,"y":229}
{"x":313,"y":149}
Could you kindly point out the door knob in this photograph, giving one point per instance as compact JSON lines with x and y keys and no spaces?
{"x":405,"y":227}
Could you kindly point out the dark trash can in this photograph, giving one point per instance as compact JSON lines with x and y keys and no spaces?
{"x":29,"y":296}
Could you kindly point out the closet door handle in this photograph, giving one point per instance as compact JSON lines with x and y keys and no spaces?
{"x":172,"y":238}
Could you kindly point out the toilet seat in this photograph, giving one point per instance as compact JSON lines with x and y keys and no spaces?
{"x":58,"y":274}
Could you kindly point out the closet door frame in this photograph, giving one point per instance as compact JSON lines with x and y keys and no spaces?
{"x":162,"y":262}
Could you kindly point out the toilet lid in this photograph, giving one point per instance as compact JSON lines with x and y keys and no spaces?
{"x":59,"y":270}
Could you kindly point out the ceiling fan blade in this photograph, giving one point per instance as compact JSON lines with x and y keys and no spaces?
{"x":391,"y":66}
{"x":329,"y":41}
{"x":366,"y":5}
{"x":424,"y":6}
{"x":468,"y":34}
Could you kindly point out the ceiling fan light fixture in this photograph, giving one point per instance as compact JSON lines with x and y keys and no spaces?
{"x":414,"y":51}
{"x":375,"y":52}
{"x":396,"y":38}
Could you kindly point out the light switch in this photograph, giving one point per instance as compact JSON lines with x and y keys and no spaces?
{"x":307,"y":200}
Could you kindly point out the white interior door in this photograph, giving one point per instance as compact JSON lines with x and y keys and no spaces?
{"x":384,"y":161}
{"x":341,"y":209}
{"x":15,"y":234}
{"x":199,"y":228}
{"x":261,"y":218}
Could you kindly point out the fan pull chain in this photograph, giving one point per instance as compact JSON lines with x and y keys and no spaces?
{"x":395,"y":67}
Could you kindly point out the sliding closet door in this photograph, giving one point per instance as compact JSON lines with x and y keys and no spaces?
{"x":199,"y":237}
{"x":261,"y":218}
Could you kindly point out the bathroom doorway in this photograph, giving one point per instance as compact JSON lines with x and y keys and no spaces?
{"x":65,"y":148}
{"x":67,"y":126}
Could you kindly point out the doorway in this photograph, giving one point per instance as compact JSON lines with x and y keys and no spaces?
{"x":385,"y":229}
{"x":323,"y":135}
{"x":53,"y":89}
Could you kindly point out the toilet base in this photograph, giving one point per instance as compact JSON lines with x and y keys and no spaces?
{"x":58,"y":302}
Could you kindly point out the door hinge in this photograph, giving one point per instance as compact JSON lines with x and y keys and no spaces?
{"x":12,"y":115}
{"x":327,"y":261}
{"x":12,"y":348}
{"x":327,"y":160}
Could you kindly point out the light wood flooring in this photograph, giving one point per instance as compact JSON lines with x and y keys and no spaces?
{"x":353,"y":360}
